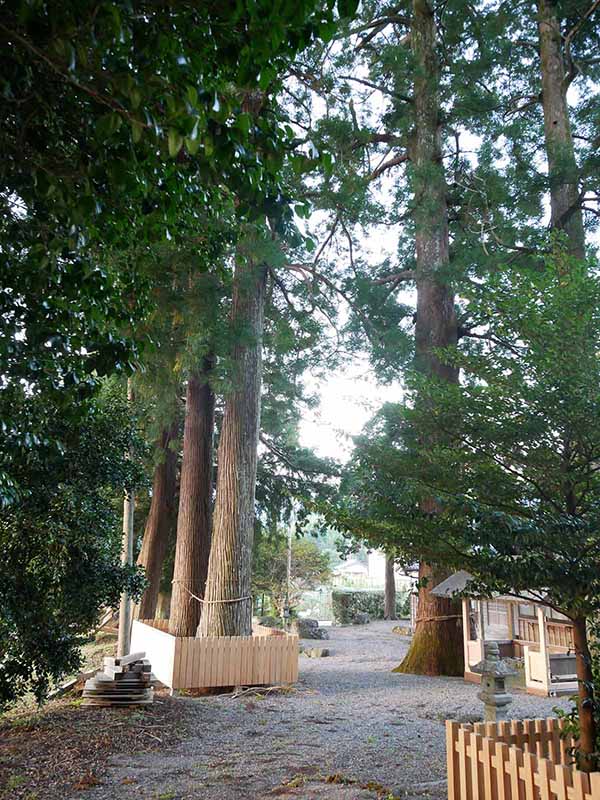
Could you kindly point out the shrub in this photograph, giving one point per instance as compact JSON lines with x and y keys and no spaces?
{"x":61,"y":541}
{"x":348,"y":603}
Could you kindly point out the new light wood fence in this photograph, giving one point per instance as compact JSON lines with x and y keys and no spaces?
{"x":516,"y":760}
{"x":269,"y":657}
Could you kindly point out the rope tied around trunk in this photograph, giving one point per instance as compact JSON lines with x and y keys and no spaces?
{"x":433,"y":619}
{"x":211,"y":602}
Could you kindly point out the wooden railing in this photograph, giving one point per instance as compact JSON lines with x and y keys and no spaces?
{"x":558,"y":634}
{"x":528,"y":630}
{"x":516,"y":760}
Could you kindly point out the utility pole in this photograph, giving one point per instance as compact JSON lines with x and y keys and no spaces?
{"x":291,"y":532}
{"x":125,"y":607}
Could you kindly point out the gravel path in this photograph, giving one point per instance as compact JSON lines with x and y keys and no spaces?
{"x":351,"y":730}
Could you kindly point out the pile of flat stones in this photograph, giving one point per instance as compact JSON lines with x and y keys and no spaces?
{"x":125,"y":681}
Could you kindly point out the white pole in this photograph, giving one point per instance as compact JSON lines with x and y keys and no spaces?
{"x":291,"y":531}
{"x":125,"y":607}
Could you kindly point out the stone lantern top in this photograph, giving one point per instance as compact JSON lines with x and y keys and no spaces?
{"x":492,"y":664}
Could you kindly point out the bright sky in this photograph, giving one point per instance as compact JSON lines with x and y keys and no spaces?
{"x":348,"y":400}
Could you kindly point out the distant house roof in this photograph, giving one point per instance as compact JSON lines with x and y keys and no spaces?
{"x":459,"y":582}
{"x":353,"y":565}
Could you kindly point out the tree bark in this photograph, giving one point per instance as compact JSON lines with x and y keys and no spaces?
{"x":228,"y":608}
{"x":563,"y":173}
{"x":436,"y":648}
{"x":159,"y":522}
{"x":587,"y":722}
{"x":195,"y":504}
{"x":389,"y":598}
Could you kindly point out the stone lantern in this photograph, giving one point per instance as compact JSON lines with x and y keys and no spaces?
{"x":494,"y":673}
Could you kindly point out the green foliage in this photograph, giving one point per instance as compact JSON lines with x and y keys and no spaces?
{"x":310,"y":569}
{"x":348,"y":603}
{"x":571,"y":717}
{"x":61,"y":543}
{"x":514,"y":450}
{"x":122,"y":128}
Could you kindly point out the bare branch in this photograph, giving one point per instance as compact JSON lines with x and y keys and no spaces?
{"x":397,"y":277}
{"x":280,"y":285}
{"x":383,"y":90}
{"x":393,"y":162}
{"x":573,"y":68}
{"x":378,"y":138}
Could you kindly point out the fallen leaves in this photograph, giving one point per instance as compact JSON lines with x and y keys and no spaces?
{"x":50,"y":748}
{"x":87,"y":781}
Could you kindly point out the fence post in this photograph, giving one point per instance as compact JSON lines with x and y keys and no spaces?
{"x":515,"y":756}
{"x":529,"y":768}
{"x":502,"y":778}
{"x":488,"y":781}
{"x":544,"y":778}
{"x":595,"y":785}
{"x":465,"y":772}
{"x":476,"y":783}
{"x":452,"y":760}
{"x":561,"y":777}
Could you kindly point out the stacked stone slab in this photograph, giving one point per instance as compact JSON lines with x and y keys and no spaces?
{"x":125,"y":681}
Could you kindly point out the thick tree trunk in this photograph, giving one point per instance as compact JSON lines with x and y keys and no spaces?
{"x":228,"y":608}
{"x":195,"y":503}
{"x":160,"y":520}
{"x":389,"y":598}
{"x":565,"y":202}
{"x":436,"y":648}
{"x":587,"y":723}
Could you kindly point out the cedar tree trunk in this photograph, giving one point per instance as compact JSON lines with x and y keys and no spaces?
{"x":436,"y":648}
{"x":565,"y":202}
{"x":160,"y":520}
{"x":195,"y":498}
{"x":389,"y":598}
{"x":229,"y":570}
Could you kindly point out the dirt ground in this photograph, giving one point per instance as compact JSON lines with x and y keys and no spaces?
{"x":350,"y":730}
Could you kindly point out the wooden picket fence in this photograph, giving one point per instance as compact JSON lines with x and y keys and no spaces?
{"x":514,"y":760}
{"x":269,"y":657}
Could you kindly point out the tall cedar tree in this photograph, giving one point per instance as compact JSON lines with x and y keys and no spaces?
{"x":190,"y":282}
{"x":160,"y":518}
{"x":436,"y":647}
{"x":195,"y":504}
{"x":496,"y":204}
{"x":227,"y":608}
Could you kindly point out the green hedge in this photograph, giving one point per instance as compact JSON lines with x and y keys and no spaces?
{"x":347,"y":603}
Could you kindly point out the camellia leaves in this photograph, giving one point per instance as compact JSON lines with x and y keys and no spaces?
{"x":175,"y":141}
{"x":347,"y":8}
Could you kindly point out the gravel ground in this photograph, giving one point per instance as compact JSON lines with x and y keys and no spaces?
{"x":351,"y":730}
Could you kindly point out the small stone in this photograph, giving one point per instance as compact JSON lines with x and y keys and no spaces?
{"x":317,"y":652}
{"x":402,"y":630}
